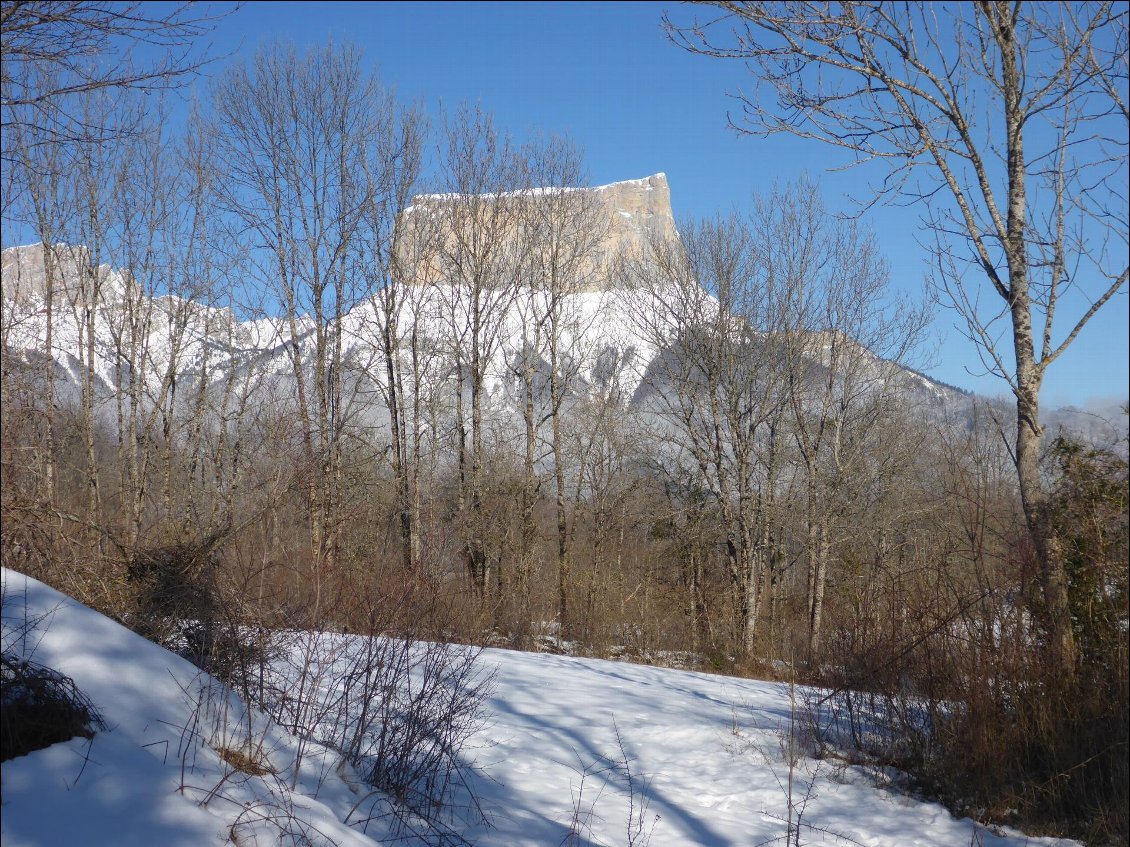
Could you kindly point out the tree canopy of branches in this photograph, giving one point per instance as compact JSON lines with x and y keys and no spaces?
{"x":55,"y":50}
{"x":1007,"y":121}
{"x":779,"y":334}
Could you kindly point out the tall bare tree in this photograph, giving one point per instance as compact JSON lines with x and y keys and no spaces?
{"x":398,"y":245}
{"x":565,"y":226}
{"x":41,"y":201}
{"x":717,"y":386}
{"x":841,"y":342}
{"x":1008,"y":122}
{"x":476,"y":270}
{"x":778,"y":353}
{"x":297,"y":136}
{"x":91,"y":245}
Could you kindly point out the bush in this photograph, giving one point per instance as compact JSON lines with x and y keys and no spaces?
{"x":40,"y":707}
{"x":180,"y":603}
{"x":972,"y":704}
{"x":399,"y":711}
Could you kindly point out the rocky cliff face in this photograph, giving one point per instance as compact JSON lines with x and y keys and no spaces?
{"x":602,"y":225}
{"x":638,"y":210}
{"x":25,"y":271}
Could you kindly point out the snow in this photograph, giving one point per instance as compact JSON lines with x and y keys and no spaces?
{"x":154,"y":778}
{"x":451,"y":197}
{"x":547,"y":191}
{"x":109,"y":792}
{"x":601,"y":332}
{"x":704,"y":752}
{"x":643,"y":182}
{"x":214,"y":341}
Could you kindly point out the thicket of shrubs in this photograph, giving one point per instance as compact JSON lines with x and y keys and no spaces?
{"x":40,"y":707}
{"x":934,"y":652}
{"x":977,"y":707}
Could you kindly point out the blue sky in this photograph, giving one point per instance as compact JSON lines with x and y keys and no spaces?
{"x":605,"y":74}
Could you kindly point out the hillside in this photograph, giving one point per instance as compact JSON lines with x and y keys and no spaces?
{"x":551,"y":759}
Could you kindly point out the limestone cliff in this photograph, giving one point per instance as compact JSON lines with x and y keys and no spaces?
{"x":501,"y":236}
{"x":24,"y":275}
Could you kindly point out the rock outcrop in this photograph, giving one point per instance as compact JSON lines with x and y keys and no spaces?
{"x":599,"y":226}
{"x":639,"y":210}
{"x":24,"y":274}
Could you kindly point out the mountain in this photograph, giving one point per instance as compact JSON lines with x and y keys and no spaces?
{"x":609,"y":222}
{"x":141,"y":341}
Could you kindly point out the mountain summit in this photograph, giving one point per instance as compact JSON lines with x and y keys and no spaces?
{"x":603,"y":224}
{"x":129,"y":333}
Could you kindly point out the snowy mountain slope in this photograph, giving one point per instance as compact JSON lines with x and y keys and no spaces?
{"x":120,"y":326}
{"x":704,"y":753}
{"x":101,"y":317}
{"x":601,"y":346}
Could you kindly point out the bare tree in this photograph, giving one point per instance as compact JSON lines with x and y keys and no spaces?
{"x":148,"y":321}
{"x":565,"y":225}
{"x":842,"y":343}
{"x":1008,"y":121}
{"x":90,"y":243}
{"x":716,"y":385}
{"x":397,"y":244}
{"x":297,"y":136}
{"x":475,"y":271}
{"x":778,"y":354}
{"x":45,"y":207}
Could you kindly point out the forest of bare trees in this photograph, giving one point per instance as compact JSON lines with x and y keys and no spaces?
{"x":769,"y":497}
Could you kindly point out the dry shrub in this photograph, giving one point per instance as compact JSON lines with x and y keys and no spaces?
{"x":41,"y":707}
{"x":968,"y":698}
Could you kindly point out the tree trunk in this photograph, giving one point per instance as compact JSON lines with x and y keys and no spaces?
{"x":1056,"y":614}
{"x":1029,"y":373}
{"x":529,"y":491}
{"x":818,"y":557}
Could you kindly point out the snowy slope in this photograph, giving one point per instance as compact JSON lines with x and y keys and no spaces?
{"x":601,"y":346}
{"x":704,"y":753}
{"x":197,"y":341}
{"x":155,"y":777}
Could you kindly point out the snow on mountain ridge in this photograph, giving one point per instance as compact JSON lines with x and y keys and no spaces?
{"x":197,"y":341}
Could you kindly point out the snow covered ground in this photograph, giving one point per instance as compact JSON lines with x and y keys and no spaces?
{"x":704,"y":752}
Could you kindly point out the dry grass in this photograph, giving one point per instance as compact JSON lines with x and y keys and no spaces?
{"x":253,"y":763}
